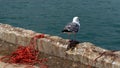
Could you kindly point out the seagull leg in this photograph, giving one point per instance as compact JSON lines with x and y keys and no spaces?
{"x":75,"y":36}
{"x":69,"y":36}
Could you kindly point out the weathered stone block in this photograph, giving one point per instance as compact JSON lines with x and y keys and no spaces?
{"x":85,"y":52}
{"x":62,"y":51}
{"x":45,"y":46}
{"x":1,"y":34}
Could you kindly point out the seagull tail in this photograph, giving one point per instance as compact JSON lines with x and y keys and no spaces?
{"x":65,"y":31}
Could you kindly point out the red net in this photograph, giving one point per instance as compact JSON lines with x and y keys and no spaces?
{"x":27,"y":54}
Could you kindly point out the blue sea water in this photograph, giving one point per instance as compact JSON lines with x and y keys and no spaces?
{"x":100,"y":19}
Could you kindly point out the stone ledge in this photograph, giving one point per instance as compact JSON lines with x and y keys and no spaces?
{"x":7,"y":65}
{"x":84,"y":52}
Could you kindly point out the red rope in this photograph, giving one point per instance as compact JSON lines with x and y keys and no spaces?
{"x":27,"y":54}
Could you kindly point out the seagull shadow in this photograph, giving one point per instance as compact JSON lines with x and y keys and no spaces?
{"x":72,"y":44}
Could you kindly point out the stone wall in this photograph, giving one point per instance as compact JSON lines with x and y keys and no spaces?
{"x":85,"y":52}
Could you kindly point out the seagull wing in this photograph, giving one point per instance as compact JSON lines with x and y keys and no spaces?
{"x":71,"y":27}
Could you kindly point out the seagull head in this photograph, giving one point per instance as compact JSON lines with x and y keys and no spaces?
{"x":76,"y":20}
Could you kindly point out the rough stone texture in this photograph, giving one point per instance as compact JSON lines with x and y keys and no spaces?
{"x":7,"y":65}
{"x":53,"y":61}
{"x":85,"y":52}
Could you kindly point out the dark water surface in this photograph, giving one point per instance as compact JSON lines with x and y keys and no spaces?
{"x":100,"y":19}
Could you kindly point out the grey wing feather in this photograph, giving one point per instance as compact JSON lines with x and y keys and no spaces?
{"x":72,"y":27}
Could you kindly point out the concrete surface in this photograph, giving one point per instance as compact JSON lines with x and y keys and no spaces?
{"x":85,"y":52}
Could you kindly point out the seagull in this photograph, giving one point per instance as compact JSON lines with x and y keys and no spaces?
{"x":73,"y":27}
